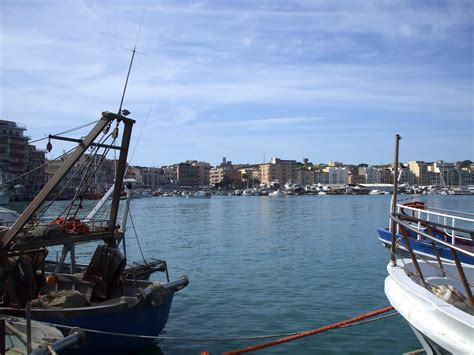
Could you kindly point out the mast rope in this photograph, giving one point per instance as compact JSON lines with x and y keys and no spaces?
{"x":87,"y":162}
{"x":136,"y":235}
{"x":39,"y":167}
{"x":64,"y":132}
{"x":66,"y":186}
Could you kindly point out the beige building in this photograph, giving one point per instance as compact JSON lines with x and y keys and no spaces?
{"x":424,"y":172}
{"x":224,"y":171}
{"x":279,"y":170}
{"x":203,"y":171}
{"x":249,"y":173}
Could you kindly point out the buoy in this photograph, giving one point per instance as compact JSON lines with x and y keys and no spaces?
{"x":51,"y":280}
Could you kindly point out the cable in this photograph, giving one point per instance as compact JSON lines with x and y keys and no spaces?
{"x":136,"y":235}
{"x":256,"y":337}
{"x":64,"y":132}
{"x":39,"y":167}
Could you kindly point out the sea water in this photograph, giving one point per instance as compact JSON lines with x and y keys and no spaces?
{"x":271,"y":265}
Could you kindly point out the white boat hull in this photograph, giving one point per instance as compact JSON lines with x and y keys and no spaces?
{"x":439,"y":326}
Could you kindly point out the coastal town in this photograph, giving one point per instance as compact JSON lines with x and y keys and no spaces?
{"x":25,"y":169}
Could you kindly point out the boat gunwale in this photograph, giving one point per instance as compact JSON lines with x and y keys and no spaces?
{"x":407,"y":300}
{"x":420,"y":291}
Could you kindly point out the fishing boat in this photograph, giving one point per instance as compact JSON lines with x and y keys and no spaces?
{"x":434,"y":296}
{"x":114,"y":310}
{"x":431,"y":220}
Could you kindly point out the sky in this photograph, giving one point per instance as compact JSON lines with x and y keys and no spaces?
{"x":248,"y":80}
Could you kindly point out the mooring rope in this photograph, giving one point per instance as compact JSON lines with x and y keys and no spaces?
{"x":310,"y":332}
{"x":256,"y":337}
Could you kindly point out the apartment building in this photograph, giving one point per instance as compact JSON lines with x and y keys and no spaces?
{"x":203,"y":171}
{"x":18,"y":157}
{"x":371,"y":174}
{"x":224,"y":171}
{"x":337,"y":175}
{"x":279,"y":170}
{"x":188,"y":175}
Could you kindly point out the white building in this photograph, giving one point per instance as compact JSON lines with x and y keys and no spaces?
{"x":372,"y":174}
{"x":337,"y":175}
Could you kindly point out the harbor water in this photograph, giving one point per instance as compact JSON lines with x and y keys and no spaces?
{"x":272,"y":265}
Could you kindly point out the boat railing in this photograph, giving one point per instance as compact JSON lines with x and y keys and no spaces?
{"x":448,"y":220}
{"x":8,"y":223}
{"x":404,"y":226}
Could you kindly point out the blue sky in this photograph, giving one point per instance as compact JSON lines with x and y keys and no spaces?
{"x":326,"y":80}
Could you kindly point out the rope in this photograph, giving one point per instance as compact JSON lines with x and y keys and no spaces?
{"x":310,"y":332}
{"x":160,"y":337}
{"x":39,"y":167}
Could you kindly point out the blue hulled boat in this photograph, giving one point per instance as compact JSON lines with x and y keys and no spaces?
{"x":430,"y":220}
{"x":118,"y":312}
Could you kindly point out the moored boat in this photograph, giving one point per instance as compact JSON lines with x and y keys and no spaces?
{"x":114,"y":309}
{"x":199,"y":194}
{"x":431,"y":220}
{"x":434,"y":296}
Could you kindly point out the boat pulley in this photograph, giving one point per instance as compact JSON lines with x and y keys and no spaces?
{"x":115,"y":132}
{"x":49,"y":146}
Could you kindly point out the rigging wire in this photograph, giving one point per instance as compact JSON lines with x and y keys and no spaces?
{"x":199,"y":339}
{"x":138,"y":139}
{"x":39,"y":167}
{"x":136,"y":236}
{"x":64,"y":132}
{"x":67,"y":185}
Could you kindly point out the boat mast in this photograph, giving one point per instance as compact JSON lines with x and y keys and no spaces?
{"x":121,"y":166}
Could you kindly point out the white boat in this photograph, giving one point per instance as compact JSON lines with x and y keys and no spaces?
{"x":16,"y":340}
{"x":439,"y":317}
{"x":434,"y":296}
{"x":7,"y":217}
{"x":276,"y":193}
{"x":141,"y":193}
{"x":199,"y":194}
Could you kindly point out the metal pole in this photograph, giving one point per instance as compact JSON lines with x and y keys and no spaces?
{"x":72,"y":253}
{"x":413,"y":256}
{"x":123,"y":227}
{"x":394,"y":201}
{"x":28,"y":328}
{"x":120,"y":172}
{"x":2,"y":336}
{"x":463,"y":278}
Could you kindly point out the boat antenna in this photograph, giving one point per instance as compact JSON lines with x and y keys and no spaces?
{"x":134,"y":50}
